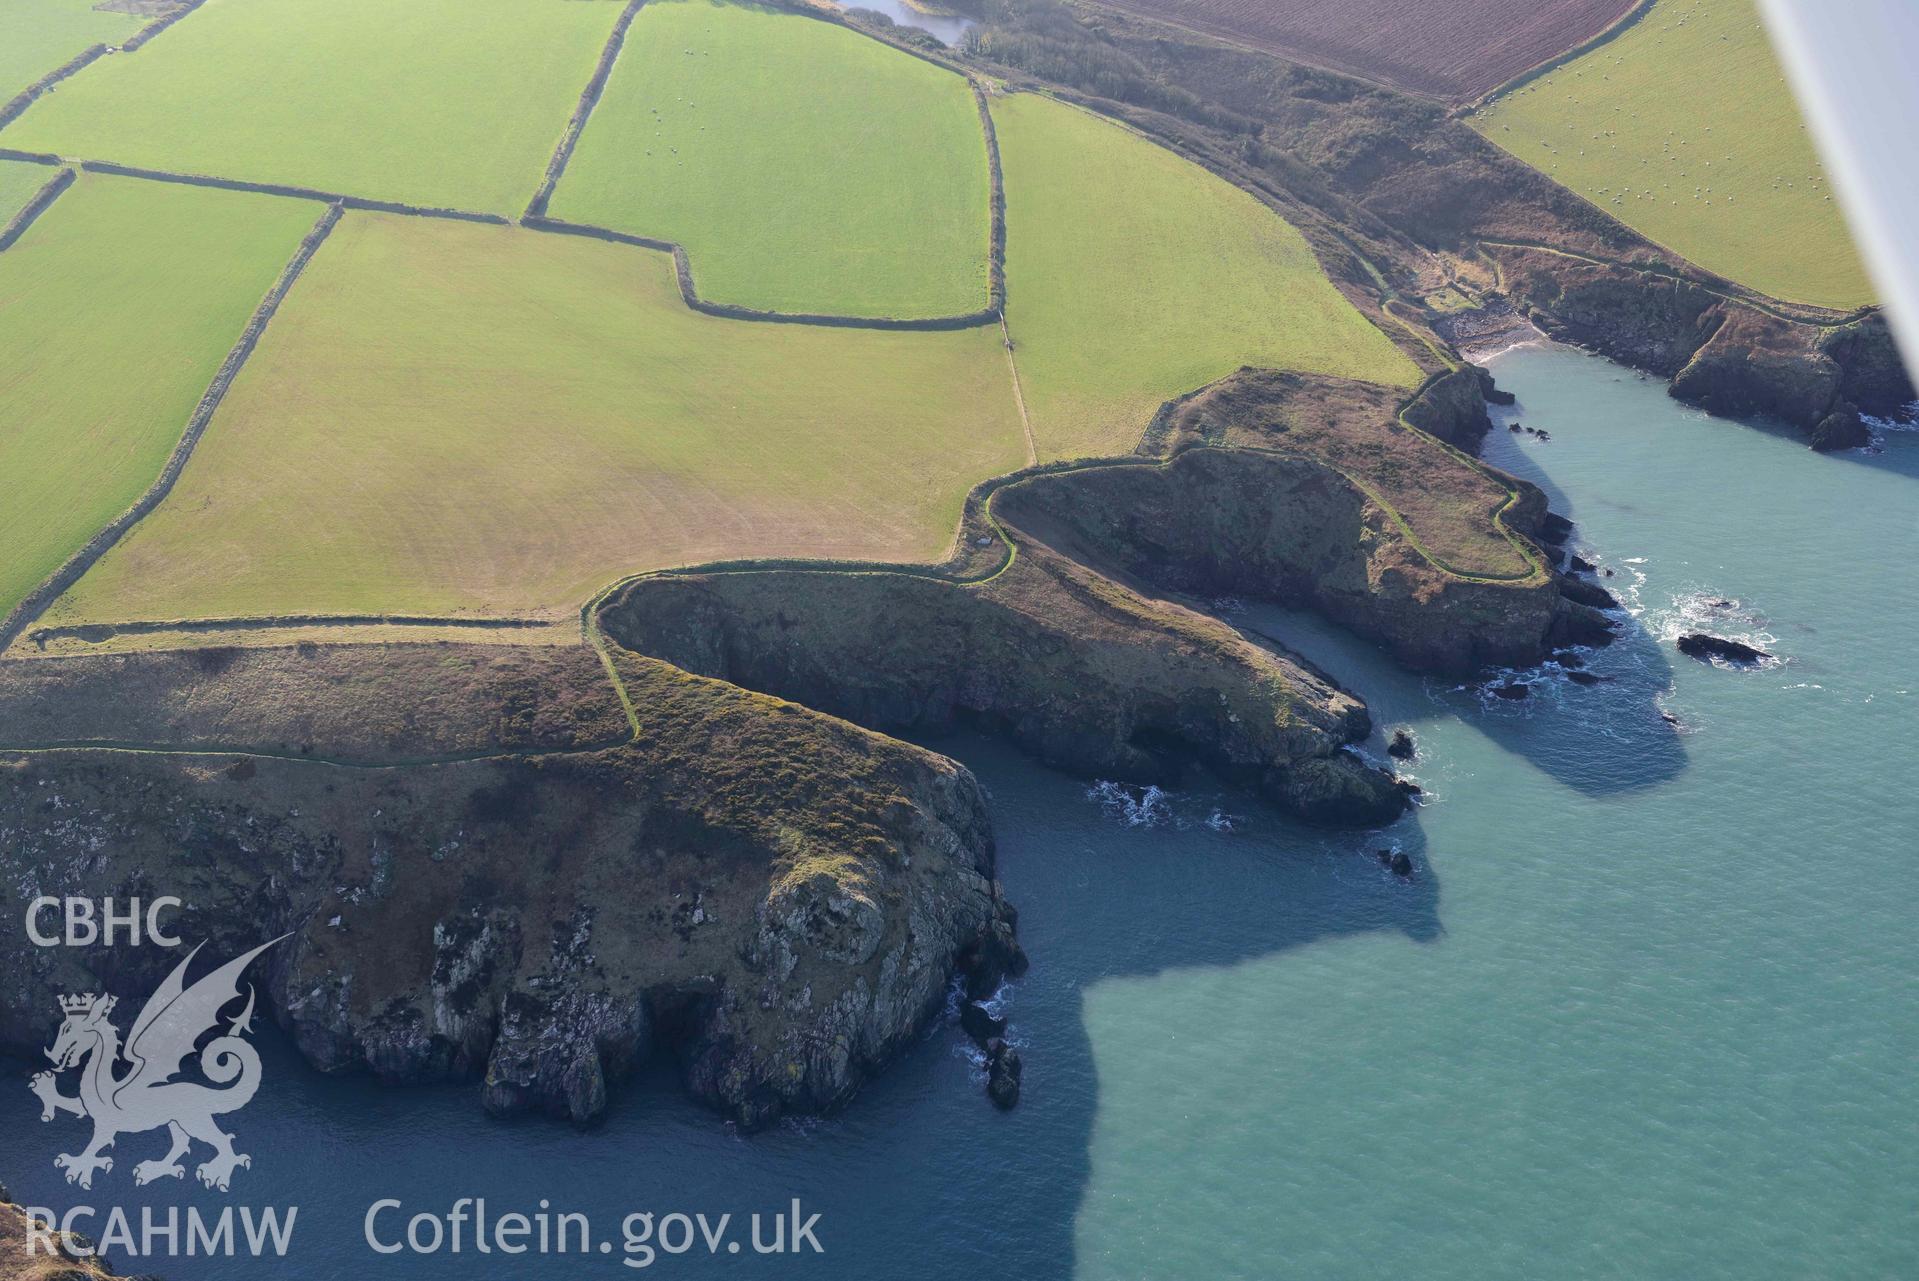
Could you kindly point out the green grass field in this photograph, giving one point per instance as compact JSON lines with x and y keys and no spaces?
{"x":38,"y":36}
{"x":1684,"y":128}
{"x":116,"y":308}
{"x":806,"y":168}
{"x":19,"y":183}
{"x":1133,"y":275}
{"x":438,"y":102}
{"x":451,"y":418}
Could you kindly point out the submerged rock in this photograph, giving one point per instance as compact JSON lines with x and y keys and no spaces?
{"x":1704,"y":646}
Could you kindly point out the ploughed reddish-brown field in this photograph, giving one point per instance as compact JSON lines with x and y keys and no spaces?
{"x":1452,"y":49}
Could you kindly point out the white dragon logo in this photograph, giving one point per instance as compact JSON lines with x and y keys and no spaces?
{"x":145,"y":1096}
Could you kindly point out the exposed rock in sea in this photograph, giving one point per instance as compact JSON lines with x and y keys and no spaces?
{"x":1402,"y":746}
{"x":1582,"y":625}
{"x":980,"y":1023}
{"x":1704,"y":646}
{"x":1843,"y":428}
{"x":1003,"y":1072}
{"x":1589,"y":594}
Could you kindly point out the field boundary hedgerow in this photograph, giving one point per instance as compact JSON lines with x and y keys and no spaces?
{"x":85,"y":58}
{"x":367,"y":203}
{"x":42,"y":597}
{"x":1613,"y":30}
{"x":42,"y":200}
{"x":33,"y":92}
{"x":536,"y":217}
{"x":589,"y":99}
{"x":154,"y":28}
{"x":95,"y":633}
{"x":689,"y":294}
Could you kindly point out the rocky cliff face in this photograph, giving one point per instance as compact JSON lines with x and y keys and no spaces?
{"x":1215,"y":523}
{"x":776,"y":897}
{"x":1726,"y":357}
{"x":1084,"y":673}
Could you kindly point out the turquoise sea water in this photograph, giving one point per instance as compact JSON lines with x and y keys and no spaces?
{"x":1646,"y":1010}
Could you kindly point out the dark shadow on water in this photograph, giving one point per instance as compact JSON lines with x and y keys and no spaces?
{"x":1106,"y":891}
{"x":920,"y":1177}
{"x":1601,"y":739}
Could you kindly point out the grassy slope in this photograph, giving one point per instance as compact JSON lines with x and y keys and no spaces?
{"x":37,"y":36}
{"x":448,"y":417}
{"x":1685,"y":129}
{"x":803,"y":166}
{"x":19,"y":183}
{"x":450,"y":102}
{"x":116,"y":308}
{"x":1133,"y":276}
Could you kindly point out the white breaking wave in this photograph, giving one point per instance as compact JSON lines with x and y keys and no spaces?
{"x":1702,"y":610}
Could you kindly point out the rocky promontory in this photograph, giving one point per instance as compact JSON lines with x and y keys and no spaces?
{"x":1086,"y":674}
{"x":775,"y":897}
{"x":1729,"y":356}
{"x":538,"y":866}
